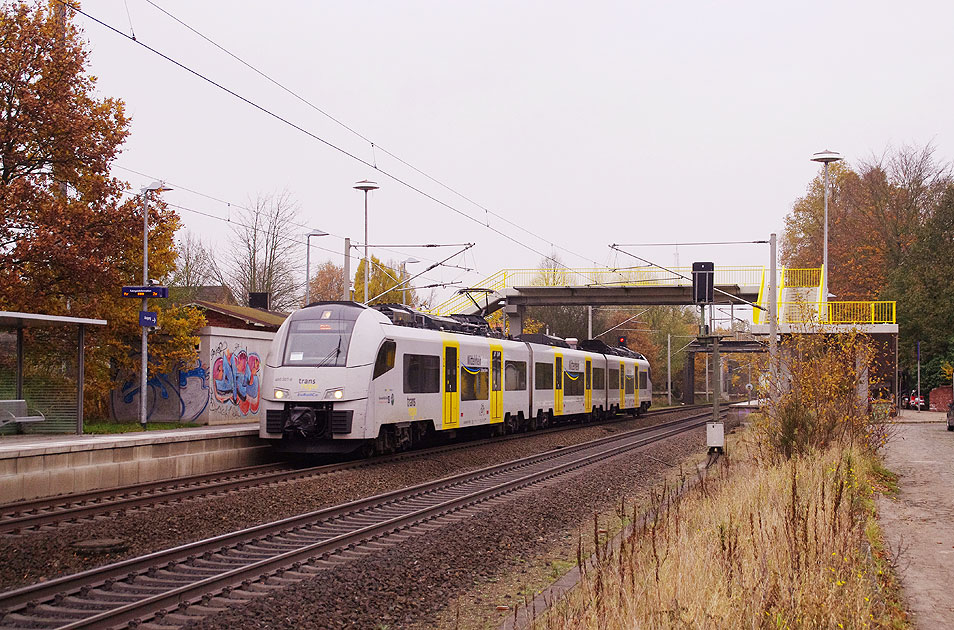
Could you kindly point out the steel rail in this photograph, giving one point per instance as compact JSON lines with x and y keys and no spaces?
{"x":77,"y":586}
{"x":17,"y":517}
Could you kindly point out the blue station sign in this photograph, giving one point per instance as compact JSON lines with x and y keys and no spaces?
{"x":146,"y":292}
{"x":148,"y":319}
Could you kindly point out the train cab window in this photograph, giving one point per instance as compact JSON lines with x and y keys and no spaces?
{"x":317,"y":342}
{"x":385,"y":361}
{"x":614,"y":381}
{"x":543,"y":376}
{"x":630,"y":383}
{"x":422,"y":374}
{"x":515,"y":376}
{"x":643,"y":380}
{"x":474,"y":383}
{"x":599,"y":376}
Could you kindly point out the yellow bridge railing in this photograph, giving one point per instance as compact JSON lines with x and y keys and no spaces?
{"x":859,"y":312}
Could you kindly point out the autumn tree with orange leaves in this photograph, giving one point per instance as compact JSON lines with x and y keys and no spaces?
{"x":68,"y":239}
{"x":889,"y":239}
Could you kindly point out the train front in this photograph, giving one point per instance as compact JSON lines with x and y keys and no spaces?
{"x":318,"y":370}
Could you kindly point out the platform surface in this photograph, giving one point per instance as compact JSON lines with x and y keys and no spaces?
{"x":27,"y":445}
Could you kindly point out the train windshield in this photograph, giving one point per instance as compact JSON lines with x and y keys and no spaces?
{"x":318,"y":342}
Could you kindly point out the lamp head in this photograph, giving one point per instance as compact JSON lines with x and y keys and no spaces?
{"x":159,"y":186}
{"x":366,"y":185}
{"x":317,"y":233}
{"x":827,"y":157}
{"x":410,"y":261}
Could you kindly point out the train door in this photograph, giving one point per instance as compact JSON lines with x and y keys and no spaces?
{"x":622,"y":385}
{"x":450,"y":388}
{"x":636,"y":385}
{"x":496,"y":383}
{"x":588,"y":388}
{"x":558,"y":385}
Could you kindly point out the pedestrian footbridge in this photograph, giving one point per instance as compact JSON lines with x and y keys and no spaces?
{"x":800,"y":302}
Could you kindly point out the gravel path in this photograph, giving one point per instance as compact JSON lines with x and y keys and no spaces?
{"x":42,"y":556}
{"x":919,"y":523}
{"x":413,"y":583}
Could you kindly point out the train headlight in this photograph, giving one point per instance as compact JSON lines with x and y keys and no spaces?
{"x":334,"y":394}
{"x":280,"y":393}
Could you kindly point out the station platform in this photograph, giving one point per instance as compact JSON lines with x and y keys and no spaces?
{"x":35,"y":466}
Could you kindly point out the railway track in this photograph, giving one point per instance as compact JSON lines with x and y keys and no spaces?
{"x":32,"y":516}
{"x":173,"y":587}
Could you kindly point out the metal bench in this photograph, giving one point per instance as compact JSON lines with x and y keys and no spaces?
{"x":16,"y":411}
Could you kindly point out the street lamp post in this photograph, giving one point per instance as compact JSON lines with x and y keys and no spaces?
{"x":308,"y":263}
{"x":826,"y":157}
{"x":404,"y":264}
{"x":366,"y":186}
{"x":143,"y":377}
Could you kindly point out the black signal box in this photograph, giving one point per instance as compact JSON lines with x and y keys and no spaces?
{"x":703,"y":282}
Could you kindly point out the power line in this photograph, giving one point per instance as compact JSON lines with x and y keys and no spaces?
{"x":688,"y":244}
{"x":232,"y":204}
{"x":291,"y":239}
{"x":314,"y":136}
{"x":339,"y":122}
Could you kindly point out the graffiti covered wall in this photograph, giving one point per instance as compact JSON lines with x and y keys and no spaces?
{"x":224,"y":385}
{"x":182,"y":398}
{"x":236,"y":375}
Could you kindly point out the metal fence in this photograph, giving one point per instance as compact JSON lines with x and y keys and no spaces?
{"x":857,"y":312}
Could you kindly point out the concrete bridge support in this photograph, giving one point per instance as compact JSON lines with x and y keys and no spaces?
{"x":515,"y":315}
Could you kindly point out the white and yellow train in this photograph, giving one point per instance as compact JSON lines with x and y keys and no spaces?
{"x":341,"y":376}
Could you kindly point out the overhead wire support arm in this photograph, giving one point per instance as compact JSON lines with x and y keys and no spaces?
{"x":437,"y":264}
{"x":685,"y":277}
{"x":689,"y":244}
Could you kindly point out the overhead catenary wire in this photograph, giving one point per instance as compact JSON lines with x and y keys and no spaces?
{"x":374,"y":145}
{"x":310,"y":134}
{"x":232,"y":204}
{"x":258,"y":229}
{"x":691,"y":243}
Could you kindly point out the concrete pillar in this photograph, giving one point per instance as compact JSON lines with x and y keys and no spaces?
{"x":515,"y":314}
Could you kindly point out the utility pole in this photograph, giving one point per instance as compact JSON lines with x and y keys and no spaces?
{"x":59,"y":10}
{"x":589,"y":322}
{"x":347,"y":271}
{"x":773,"y":321}
{"x":716,"y":378}
{"x":919,"y":376}
{"x":669,"y":368}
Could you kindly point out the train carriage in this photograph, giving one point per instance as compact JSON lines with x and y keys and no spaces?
{"x":341,"y":376}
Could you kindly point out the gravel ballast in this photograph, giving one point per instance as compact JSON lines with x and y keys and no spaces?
{"x":43,"y":555}
{"x":424,"y":581}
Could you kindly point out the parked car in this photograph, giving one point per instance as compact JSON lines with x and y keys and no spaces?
{"x":915,"y":401}
{"x":950,"y":417}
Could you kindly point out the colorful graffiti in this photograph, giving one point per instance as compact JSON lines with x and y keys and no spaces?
{"x":236,"y":378}
{"x":166,"y":401}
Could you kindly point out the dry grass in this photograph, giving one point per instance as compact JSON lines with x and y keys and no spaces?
{"x":754,"y":544}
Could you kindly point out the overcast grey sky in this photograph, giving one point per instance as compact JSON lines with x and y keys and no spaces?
{"x":586,"y":123}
